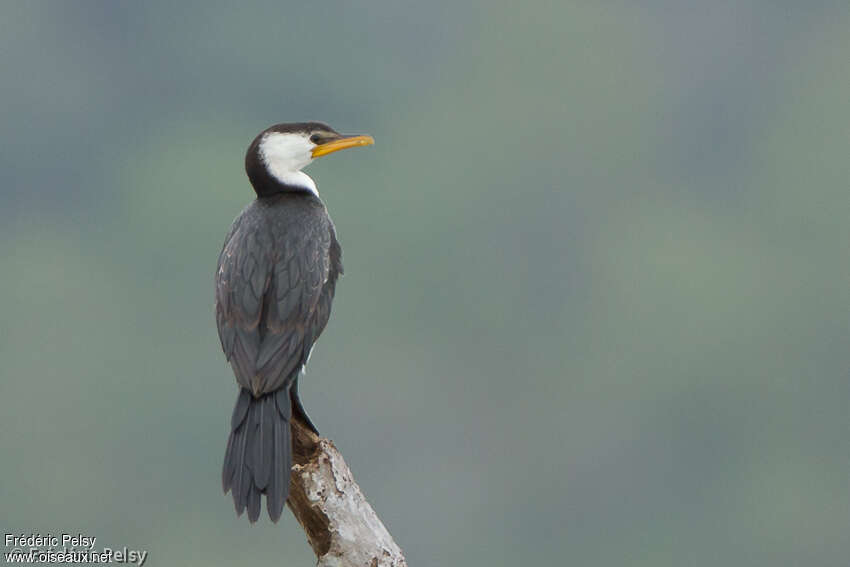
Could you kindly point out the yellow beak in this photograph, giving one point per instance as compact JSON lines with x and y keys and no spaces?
{"x":342,"y":144}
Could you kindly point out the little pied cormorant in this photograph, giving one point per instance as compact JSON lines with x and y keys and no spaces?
{"x":274,"y":286}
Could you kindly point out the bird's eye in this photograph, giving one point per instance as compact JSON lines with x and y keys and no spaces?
{"x":316,"y":138}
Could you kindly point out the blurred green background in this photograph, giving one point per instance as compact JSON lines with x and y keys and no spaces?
{"x":596,"y":308}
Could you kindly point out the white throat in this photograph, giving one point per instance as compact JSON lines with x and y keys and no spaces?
{"x":284,"y":155}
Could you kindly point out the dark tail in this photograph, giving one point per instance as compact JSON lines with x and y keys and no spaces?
{"x":259,"y":453}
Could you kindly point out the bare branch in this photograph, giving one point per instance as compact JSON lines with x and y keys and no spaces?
{"x":341,"y":526}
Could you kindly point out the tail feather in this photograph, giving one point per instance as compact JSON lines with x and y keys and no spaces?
{"x":227,"y":469}
{"x":242,"y":482}
{"x":263,"y":448}
{"x":282,"y":464}
{"x":258,"y":459}
{"x":232,"y":456}
{"x":240,"y":410}
{"x":253,"y":503}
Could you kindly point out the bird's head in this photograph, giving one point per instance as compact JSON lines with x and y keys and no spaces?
{"x":276,"y":156}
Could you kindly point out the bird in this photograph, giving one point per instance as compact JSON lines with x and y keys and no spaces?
{"x":274,"y":285}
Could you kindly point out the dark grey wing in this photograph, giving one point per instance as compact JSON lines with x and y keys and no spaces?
{"x":322,"y":313}
{"x":319,"y":320}
{"x":300,"y":273}
{"x":242,"y":282}
{"x":270,"y":305}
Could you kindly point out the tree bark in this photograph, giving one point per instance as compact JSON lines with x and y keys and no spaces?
{"x":341,"y":526}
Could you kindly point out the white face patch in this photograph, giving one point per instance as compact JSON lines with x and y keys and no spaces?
{"x":285,"y":155}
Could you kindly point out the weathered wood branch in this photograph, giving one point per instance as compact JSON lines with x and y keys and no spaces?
{"x":341,"y":526}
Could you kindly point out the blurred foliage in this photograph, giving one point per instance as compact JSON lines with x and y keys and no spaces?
{"x":595,"y":309}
